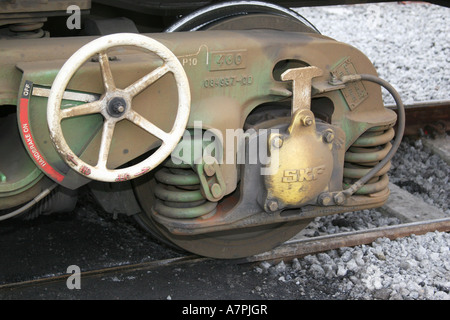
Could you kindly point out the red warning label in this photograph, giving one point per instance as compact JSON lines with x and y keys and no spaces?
{"x":28,"y":137}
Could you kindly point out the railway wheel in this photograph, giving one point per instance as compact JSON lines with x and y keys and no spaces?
{"x":232,"y":244}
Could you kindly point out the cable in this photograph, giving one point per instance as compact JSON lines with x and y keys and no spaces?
{"x":22,"y":209}
{"x":399,"y":134}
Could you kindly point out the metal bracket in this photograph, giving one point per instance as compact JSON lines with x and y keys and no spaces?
{"x":212,"y":182}
{"x":301,"y":86}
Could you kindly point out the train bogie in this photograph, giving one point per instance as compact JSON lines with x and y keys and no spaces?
{"x":225,"y":142}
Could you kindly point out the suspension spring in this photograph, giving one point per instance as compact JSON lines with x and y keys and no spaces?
{"x":29,"y":30}
{"x":366,"y":152}
{"x":178,"y":193}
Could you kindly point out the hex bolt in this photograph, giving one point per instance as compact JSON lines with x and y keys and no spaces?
{"x":328,"y":136}
{"x":307,"y":121}
{"x":339,"y":198}
{"x":272,"y":205}
{"x":277,"y":142}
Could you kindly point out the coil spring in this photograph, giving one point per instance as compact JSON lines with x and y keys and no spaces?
{"x":32,"y":30}
{"x":368,"y":150}
{"x":178,"y":193}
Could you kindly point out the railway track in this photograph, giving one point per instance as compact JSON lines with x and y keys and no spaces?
{"x":419,"y":117}
{"x":289,"y":250}
{"x":427,"y":116}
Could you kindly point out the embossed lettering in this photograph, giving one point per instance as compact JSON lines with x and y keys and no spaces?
{"x":229,"y":60}
{"x":304,"y":174}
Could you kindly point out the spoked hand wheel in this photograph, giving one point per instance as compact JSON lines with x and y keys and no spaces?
{"x":116,"y":105}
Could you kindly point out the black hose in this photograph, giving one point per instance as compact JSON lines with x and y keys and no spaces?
{"x":30,"y":204}
{"x":399,"y":134}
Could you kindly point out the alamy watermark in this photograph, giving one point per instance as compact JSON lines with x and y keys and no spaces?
{"x":74,"y":281}
{"x":206,"y":146}
{"x":74,"y":20}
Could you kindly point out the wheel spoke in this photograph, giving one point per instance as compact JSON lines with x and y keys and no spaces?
{"x":108,"y":79}
{"x":147,"y":80}
{"x":105,"y":144}
{"x":140,"y":121}
{"x":84,"y":109}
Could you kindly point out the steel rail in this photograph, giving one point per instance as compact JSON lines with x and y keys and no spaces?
{"x":100,"y":272}
{"x":303,"y":247}
{"x":425,"y":116}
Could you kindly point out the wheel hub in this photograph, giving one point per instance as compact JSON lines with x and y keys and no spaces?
{"x":117,"y":107}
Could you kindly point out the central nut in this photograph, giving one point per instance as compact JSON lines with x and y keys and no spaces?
{"x":116,"y":107}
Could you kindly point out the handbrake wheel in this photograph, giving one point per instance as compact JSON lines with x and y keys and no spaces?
{"x":116,"y":105}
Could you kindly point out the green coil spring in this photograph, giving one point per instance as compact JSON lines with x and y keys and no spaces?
{"x":368,"y":150}
{"x":178,"y":193}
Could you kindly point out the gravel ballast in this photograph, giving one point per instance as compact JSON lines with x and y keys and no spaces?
{"x":412,"y":53}
{"x":407,"y":43}
{"x":415,"y":267}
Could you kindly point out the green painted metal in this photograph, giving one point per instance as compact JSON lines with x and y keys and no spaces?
{"x":228,"y":79}
{"x":2,"y":177}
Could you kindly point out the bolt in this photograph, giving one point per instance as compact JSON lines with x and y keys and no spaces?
{"x":116,"y":107}
{"x":325,"y":199}
{"x":328,"y":136}
{"x":272,"y":205}
{"x":307,"y":121}
{"x":277,"y":142}
{"x":209,"y":169}
{"x":119,"y":108}
{"x":339,"y":198}
{"x":216,"y":190}
{"x":334,"y":80}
